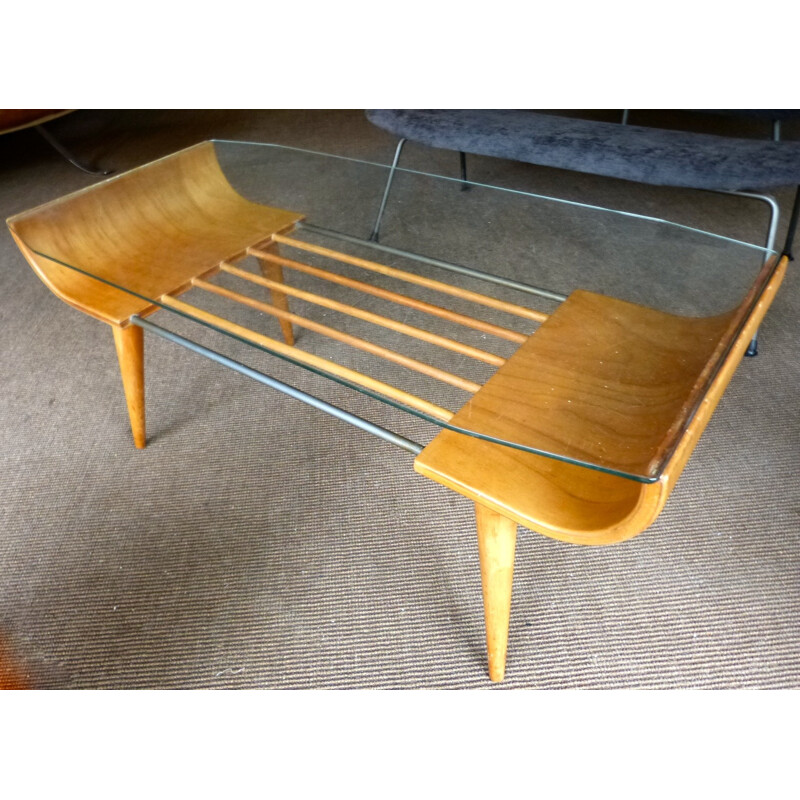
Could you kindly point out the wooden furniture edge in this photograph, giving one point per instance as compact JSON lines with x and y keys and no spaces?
{"x":639,"y":503}
{"x":720,"y":383}
{"x":200,"y":195}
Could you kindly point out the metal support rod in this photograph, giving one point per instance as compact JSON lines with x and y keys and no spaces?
{"x":772,"y":230}
{"x":435,"y":262}
{"x":373,"y":237}
{"x":462,"y":158}
{"x":774,"y":215}
{"x":62,"y":151}
{"x":297,"y":394}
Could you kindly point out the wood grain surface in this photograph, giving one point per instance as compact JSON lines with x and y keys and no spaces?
{"x":497,"y":541}
{"x":149,"y":230}
{"x":570,"y":502}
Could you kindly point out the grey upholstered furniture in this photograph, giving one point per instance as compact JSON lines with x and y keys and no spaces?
{"x":632,"y":152}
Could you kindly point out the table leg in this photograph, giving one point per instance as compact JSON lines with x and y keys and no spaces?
{"x":274,"y":272}
{"x":130,"y":352}
{"x":497,"y":539}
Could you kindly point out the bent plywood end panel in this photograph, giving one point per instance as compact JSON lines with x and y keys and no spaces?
{"x":571,"y":502}
{"x":149,"y":230}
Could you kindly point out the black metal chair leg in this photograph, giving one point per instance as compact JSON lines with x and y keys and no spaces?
{"x":61,"y":150}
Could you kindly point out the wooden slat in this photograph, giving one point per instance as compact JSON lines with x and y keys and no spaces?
{"x":353,"y":341}
{"x":445,"y":288}
{"x":368,"y":316}
{"x":331,"y":367}
{"x":394,"y":297}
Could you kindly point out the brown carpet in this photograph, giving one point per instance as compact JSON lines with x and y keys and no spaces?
{"x":258,"y":544}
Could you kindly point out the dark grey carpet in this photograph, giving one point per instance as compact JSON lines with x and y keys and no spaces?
{"x":258,"y":544}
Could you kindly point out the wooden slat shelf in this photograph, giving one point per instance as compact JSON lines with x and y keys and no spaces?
{"x":429,"y":283}
{"x":353,"y":341}
{"x":368,"y":316}
{"x":330,"y":367}
{"x":281,"y":291}
{"x":394,"y":297}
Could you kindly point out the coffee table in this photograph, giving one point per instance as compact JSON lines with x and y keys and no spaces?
{"x":570,"y":411}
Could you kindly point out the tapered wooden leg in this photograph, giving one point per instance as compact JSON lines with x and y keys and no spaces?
{"x":274,"y":272}
{"x":130,"y":352}
{"x":497,"y":539}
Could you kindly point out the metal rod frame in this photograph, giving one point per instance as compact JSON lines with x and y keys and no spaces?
{"x":291,"y":391}
{"x":774,"y":215}
{"x":373,"y":237}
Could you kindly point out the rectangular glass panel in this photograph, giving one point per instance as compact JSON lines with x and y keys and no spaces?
{"x":618,"y":351}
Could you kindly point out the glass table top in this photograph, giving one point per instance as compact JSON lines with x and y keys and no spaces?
{"x":423,"y":310}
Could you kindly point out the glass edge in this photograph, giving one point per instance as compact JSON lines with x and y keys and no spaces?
{"x":518,"y":192}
